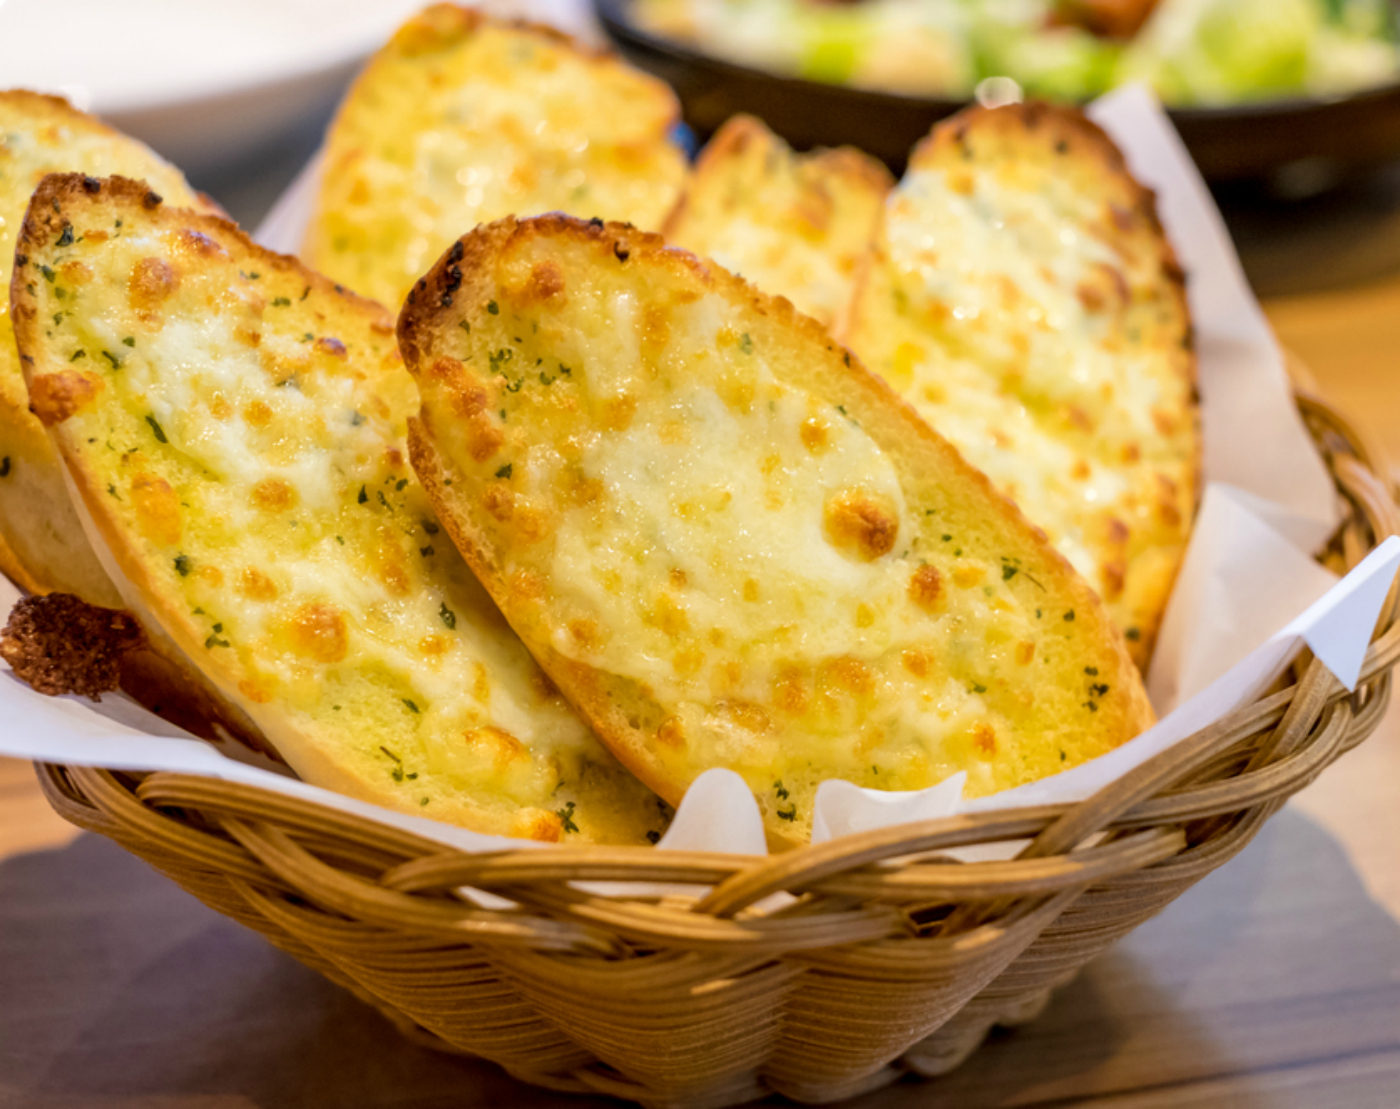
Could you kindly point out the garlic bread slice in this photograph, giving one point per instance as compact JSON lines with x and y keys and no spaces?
{"x":795,"y":225}
{"x":234,"y":425}
{"x":1024,"y":299}
{"x":730,"y":545}
{"x":461,"y":119}
{"x":40,"y":135}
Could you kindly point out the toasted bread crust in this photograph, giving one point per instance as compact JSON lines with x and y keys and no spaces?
{"x":374,"y":212}
{"x":47,"y":214}
{"x":59,"y":644}
{"x":463,"y":289}
{"x":161,"y":675}
{"x":1135,"y":543}
{"x":295,"y":566}
{"x":819,"y":211}
{"x":48,"y":550}
{"x":43,"y":545}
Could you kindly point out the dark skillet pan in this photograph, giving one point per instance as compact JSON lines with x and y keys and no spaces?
{"x":1329,"y":137}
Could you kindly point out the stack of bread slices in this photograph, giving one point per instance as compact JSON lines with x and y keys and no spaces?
{"x":609,"y":471}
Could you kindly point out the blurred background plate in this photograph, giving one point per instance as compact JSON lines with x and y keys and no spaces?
{"x":205,"y":82}
{"x":1303,"y":146}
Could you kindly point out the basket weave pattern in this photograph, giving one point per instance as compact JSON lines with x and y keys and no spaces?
{"x":887,"y":958}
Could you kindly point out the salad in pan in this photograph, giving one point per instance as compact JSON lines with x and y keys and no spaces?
{"x":1192,"y":52}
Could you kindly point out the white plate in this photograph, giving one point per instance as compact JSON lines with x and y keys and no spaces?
{"x":203,"y":81}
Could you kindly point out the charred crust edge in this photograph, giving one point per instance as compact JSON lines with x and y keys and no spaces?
{"x":46,"y":214}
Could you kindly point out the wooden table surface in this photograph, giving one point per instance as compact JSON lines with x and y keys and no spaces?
{"x":1274,"y":984}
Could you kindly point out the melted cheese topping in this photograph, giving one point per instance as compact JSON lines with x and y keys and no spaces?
{"x":248,"y":431}
{"x":1028,"y":329}
{"x":457,"y":122}
{"x":795,"y":226}
{"x":39,"y":136}
{"x":670,"y":506}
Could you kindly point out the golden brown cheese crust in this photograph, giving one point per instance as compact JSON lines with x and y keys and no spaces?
{"x":38,"y":526}
{"x":1024,"y":298}
{"x":460,"y":119}
{"x":795,"y":225}
{"x":730,"y":545}
{"x":234,"y":425}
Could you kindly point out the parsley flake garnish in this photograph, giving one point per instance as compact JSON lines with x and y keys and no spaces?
{"x":448,"y":616}
{"x":566,"y":817}
{"x":410,"y":706}
{"x":157,"y":430}
{"x":505,"y":471}
{"x":789,"y":814}
{"x":780,"y":790}
{"x":364,"y":496}
{"x":129,"y":341}
{"x":182,"y":565}
{"x":281,"y":302}
{"x":493,"y":308}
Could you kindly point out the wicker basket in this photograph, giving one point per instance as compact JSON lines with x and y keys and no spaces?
{"x":890,"y":960}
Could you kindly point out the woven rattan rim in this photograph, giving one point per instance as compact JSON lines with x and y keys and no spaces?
{"x":883,"y":957}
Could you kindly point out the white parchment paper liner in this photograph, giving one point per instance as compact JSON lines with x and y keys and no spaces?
{"x":1248,"y":596}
